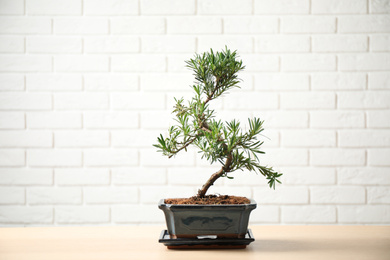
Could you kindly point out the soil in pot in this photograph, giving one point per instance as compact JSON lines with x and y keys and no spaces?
{"x":210,"y":200}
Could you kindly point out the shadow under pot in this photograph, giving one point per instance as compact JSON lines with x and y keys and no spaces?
{"x":192,"y":221}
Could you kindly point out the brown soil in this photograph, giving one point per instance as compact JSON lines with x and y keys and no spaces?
{"x":210,"y":200}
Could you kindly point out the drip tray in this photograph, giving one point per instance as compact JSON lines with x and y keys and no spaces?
{"x":206,"y":242}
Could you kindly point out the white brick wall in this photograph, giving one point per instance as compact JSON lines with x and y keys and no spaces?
{"x":87,"y":85}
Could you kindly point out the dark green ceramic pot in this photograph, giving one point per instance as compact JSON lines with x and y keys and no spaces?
{"x":207,"y":220}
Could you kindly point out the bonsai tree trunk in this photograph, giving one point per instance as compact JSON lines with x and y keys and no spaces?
{"x":215,"y":176}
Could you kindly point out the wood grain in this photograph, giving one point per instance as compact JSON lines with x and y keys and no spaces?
{"x":141,"y":242}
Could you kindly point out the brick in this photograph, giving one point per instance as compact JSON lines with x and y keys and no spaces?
{"x":168,"y":7}
{"x":145,"y":214}
{"x":16,"y":63}
{"x":265,"y":214}
{"x":364,"y":62}
{"x":367,"y":214}
{"x":150,"y":157}
{"x":175,"y":63}
{"x":70,"y":177}
{"x":11,"y":7}
{"x":338,"y":81}
{"x":378,"y":195}
{"x":110,"y":157}
{"x":12,"y":157}
{"x":83,"y":26}
{"x":363,"y":24}
{"x":53,"y":82}
{"x":229,"y":190}
{"x":53,"y":7}
{"x":11,"y":120}
{"x":308,"y":24}
{"x":50,"y":158}
{"x":76,"y":63}
{"x":285,"y":119}
{"x":378,"y":80}
{"x":134,"y":138}
{"x":243,"y":178}
{"x":138,"y":25}
{"x":112,"y":44}
{"x":11,"y":44}
{"x":168,"y":44}
{"x":137,"y":101}
{"x":242,"y":43}
{"x":379,"y":157}
{"x":12,"y":195}
{"x":11,"y":82}
{"x":337,"y":195}
{"x":281,"y":81}
{"x":26,"y":215}
{"x":81,"y":101}
{"x":308,"y":138}
{"x":138,"y":175}
{"x":26,"y":176}
{"x":379,"y":6}
{"x":281,"y":7}
{"x":308,"y":214}
{"x":363,"y":138}
{"x":152,"y":194}
{"x":380,"y":42}
{"x":76,"y":138}
{"x":54,"y":195}
{"x":250,"y":24}
{"x":336,"y":119}
{"x":378,"y":119}
{"x":50,"y":44}
{"x":139,"y":63}
{"x":361,"y":100}
{"x":108,"y":82}
{"x":363,"y":176}
{"x":82,"y":214}
{"x":55,"y":120}
{"x":194,"y":25}
{"x":246,"y":82}
{"x":340,"y":43}
{"x":111,"y":120}
{"x":339,"y":7}
{"x":26,"y":139}
{"x":307,"y":100}
{"x":285,"y":157}
{"x":308,"y":62}
{"x":155,"y":119}
{"x":191,"y":175}
{"x":251,"y":101}
{"x":337,"y":157}
{"x":21,"y":101}
{"x":235,"y":7}
{"x":110,"y":195}
{"x":308,"y":176}
{"x":116,"y":7}
{"x":25,"y":25}
{"x":165,"y":82}
{"x":282,"y":43}
{"x":260,"y":63}
{"x":283,"y":195}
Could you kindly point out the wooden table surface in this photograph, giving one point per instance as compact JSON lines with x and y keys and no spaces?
{"x":131,"y":242}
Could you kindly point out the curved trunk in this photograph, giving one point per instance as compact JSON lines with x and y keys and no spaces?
{"x":215,"y":176}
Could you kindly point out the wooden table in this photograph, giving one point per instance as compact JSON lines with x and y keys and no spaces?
{"x":129,"y":242}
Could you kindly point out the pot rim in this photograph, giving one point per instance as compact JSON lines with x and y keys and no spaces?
{"x":252,"y":203}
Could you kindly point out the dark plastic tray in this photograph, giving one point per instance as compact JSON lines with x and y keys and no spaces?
{"x":205,"y":243}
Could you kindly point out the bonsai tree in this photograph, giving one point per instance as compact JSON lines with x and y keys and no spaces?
{"x":223,"y":142}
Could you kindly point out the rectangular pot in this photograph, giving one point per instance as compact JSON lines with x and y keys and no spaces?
{"x":191,"y":221}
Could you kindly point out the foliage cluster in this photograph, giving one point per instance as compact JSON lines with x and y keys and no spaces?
{"x":223,"y":142}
